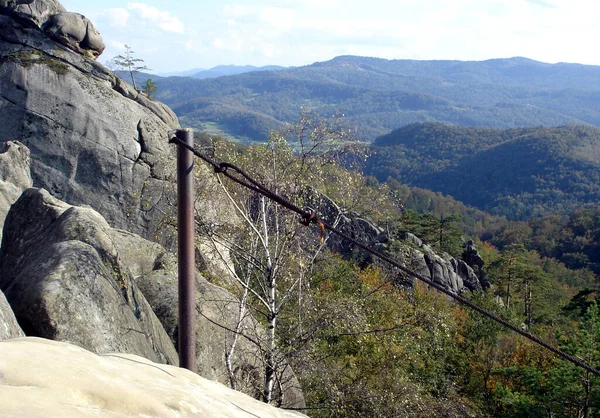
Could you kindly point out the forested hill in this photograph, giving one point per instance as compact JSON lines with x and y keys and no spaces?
{"x":518,"y":173}
{"x":379,"y":95}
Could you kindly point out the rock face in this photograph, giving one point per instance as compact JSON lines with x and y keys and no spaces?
{"x":9,"y":328}
{"x":76,"y":32}
{"x":93,"y":139}
{"x":15,"y":176}
{"x":64,"y":279}
{"x":455,"y":275}
{"x":41,"y":378}
{"x":216,"y":309}
{"x":32,"y":12}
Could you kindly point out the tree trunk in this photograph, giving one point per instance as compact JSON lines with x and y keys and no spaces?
{"x":238,"y":328}
{"x":528,"y":304}
{"x":270,"y":360}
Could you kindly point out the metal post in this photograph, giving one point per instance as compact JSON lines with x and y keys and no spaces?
{"x":186,"y":253}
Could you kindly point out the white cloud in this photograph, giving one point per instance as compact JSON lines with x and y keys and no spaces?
{"x":278,"y":18}
{"x":322,"y":4}
{"x":237,"y":11}
{"x":116,"y":17}
{"x":218,"y":43}
{"x":162,"y":19}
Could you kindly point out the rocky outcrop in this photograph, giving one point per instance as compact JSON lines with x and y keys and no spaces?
{"x":15,"y":176}
{"x":217,"y":311}
{"x":76,"y":32}
{"x":474,"y":260}
{"x":93,"y":138}
{"x":9,"y":328}
{"x":64,"y":279}
{"x":42,"y":378}
{"x":455,"y":275}
{"x":32,"y":12}
{"x":347,"y":221}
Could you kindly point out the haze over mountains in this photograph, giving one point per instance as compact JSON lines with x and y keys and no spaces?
{"x":220,"y":71}
{"x":380,"y":95}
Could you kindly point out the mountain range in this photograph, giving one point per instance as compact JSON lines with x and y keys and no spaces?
{"x":379,"y":95}
{"x":517,"y":172}
{"x":221,"y":71}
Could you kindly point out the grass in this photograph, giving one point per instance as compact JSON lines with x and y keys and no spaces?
{"x":28,"y":58}
{"x":213,"y":128}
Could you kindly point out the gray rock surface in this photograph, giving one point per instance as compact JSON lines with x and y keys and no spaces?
{"x":9,"y":328}
{"x":76,"y":32}
{"x":454,"y":275}
{"x":41,"y":378}
{"x":15,"y":176}
{"x":217,"y":309}
{"x":33,"y":12}
{"x":474,"y":260}
{"x":64,"y":279}
{"x":93,"y":139}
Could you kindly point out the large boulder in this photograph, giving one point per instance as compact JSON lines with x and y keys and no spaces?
{"x":9,"y":328}
{"x":93,"y":138}
{"x":64,"y":279}
{"x":31,"y":12}
{"x":217,"y":314}
{"x":42,"y":378}
{"x":76,"y":32}
{"x":454,"y":275}
{"x":15,"y":176}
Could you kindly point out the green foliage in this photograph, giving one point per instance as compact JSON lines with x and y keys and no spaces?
{"x":571,"y":240}
{"x":381,"y":95}
{"x":381,"y":351}
{"x":129,"y":63}
{"x":518,"y":173}
{"x":363,"y":346}
{"x":29,"y":57}
{"x":149,"y":87}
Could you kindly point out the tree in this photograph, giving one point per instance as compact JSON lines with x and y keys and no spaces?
{"x":150,"y":87}
{"x":574,"y":391}
{"x":272,"y":252}
{"x":127,"y":62}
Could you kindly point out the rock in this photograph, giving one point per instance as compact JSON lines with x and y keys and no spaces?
{"x":41,"y":378}
{"x":349,"y":222}
{"x":474,"y":260}
{"x":139,"y":255}
{"x":215,"y":306}
{"x":15,"y":176}
{"x":455,"y":275}
{"x":64,"y":279}
{"x":33,"y":12}
{"x":9,"y":328}
{"x":93,"y":139}
{"x":76,"y":32}
{"x":469,"y":276}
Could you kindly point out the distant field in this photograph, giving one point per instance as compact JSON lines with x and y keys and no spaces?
{"x":213,"y":128}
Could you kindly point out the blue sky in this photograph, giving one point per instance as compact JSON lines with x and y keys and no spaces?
{"x":178,"y":35}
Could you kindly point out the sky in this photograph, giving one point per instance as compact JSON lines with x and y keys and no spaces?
{"x":179,"y":35}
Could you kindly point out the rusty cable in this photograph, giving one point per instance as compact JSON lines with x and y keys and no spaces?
{"x":309,"y":216}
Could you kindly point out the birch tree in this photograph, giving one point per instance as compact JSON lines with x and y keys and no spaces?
{"x":272,"y":252}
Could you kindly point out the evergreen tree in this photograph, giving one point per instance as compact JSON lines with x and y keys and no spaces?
{"x":129,"y":63}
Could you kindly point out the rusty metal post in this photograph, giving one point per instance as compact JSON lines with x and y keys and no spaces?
{"x":186,"y":250}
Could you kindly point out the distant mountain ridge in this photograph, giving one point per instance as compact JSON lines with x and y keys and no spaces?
{"x":519,"y":172}
{"x":220,"y":71}
{"x":225,"y":70}
{"x":380,"y":95}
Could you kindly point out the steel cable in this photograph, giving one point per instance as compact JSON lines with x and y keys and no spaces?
{"x":308,"y":217}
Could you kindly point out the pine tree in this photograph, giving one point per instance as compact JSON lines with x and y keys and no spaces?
{"x":128,"y":63}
